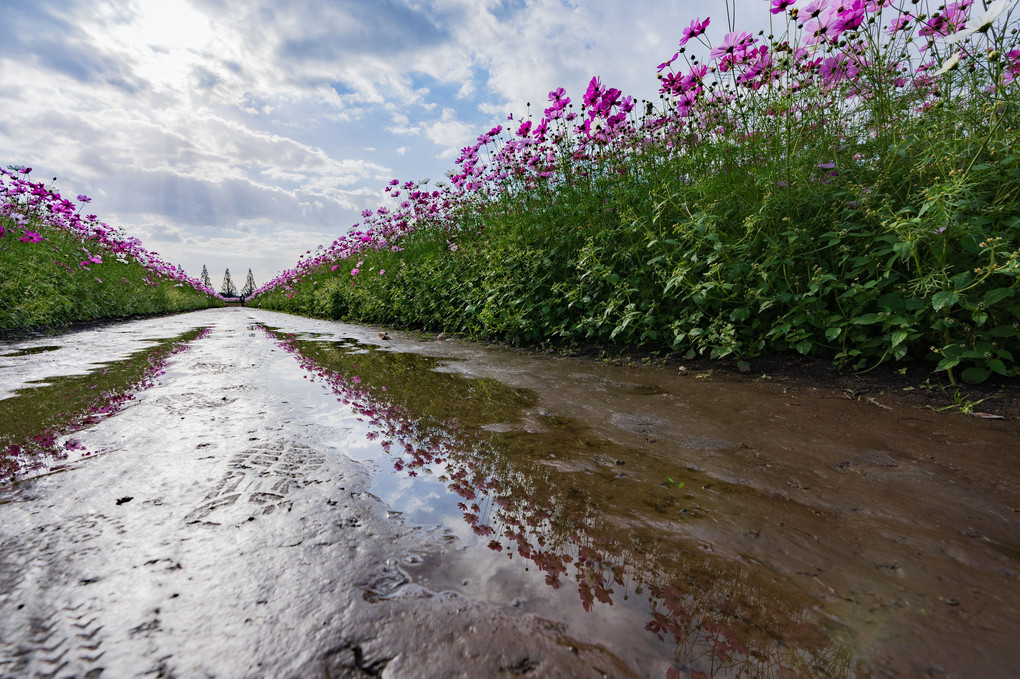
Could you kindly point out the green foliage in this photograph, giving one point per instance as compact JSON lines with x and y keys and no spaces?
{"x":43,"y":285}
{"x":903,"y":247}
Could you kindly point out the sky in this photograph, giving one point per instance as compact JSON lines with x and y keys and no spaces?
{"x":241,"y":133}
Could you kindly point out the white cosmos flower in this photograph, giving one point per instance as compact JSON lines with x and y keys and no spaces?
{"x":982,"y":23}
{"x":950,"y":63}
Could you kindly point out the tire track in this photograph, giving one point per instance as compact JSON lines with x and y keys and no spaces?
{"x":49,"y":625}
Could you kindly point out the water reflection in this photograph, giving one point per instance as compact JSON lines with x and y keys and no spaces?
{"x":33,"y":421}
{"x":538,"y":493}
{"x":29,"y":351}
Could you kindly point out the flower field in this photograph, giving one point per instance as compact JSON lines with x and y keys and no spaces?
{"x":58,"y":267}
{"x":845,"y":187}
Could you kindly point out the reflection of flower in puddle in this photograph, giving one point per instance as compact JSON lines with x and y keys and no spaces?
{"x":720,"y":618}
{"x":35,"y":419}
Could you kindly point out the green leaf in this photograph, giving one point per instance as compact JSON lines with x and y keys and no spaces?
{"x":899,"y":336}
{"x":943,"y":299}
{"x":997,"y":295}
{"x":741,"y":314}
{"x":1003,"y":331}
{"x":891,"y":301}
{"x":997,"y":365}
{"x":805,"y":346}
{"x":866,"y":319}
{"x":974,"y":375}
{"x":903,"y":249}
{"x":953,"y":350}
{"x":947,"y":363}
{"x":961,"y":280}
{"x":832,"y":333}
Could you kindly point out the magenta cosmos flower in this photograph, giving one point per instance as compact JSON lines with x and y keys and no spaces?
{"x":696,"y":28}
{"x":732,"y":45}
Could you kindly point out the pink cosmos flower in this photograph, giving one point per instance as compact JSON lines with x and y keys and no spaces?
{"x":850,"y":18}
{"x":696,"y":28}
{"x":669,"y":62}
{"x":815,"y":9}
{"x":1013,"y":67}
{"x":779,"y":6}
{"x":823,"y":28}
{"x":733,"y":45}
{"x":833,"y":71}
{"x":901,"y":22}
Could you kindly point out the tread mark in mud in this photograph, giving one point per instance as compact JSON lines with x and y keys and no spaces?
{"x":228,"y":484}
{"x":272,"y":500}
{"x":265,"y":474}
{"x":196,"y":515}
{"x":38,"y":636}
{"x":59,"y":643}
{"x":180,"y":405}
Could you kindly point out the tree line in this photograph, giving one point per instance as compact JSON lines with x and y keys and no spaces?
{"x":227,"y":288}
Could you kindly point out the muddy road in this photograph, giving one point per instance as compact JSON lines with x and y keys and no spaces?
{"x":240,"y":493}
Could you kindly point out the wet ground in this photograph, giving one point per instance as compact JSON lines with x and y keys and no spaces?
{"x":240,"y":493}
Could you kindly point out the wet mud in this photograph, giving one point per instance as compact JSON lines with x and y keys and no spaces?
{"x":292,"y":497}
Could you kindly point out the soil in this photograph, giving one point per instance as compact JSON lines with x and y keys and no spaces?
{"x":911,"y":384}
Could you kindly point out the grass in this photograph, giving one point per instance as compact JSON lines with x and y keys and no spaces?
{"x":42,"y":285}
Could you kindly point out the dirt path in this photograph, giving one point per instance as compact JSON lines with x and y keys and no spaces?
{"x":286,"y":506}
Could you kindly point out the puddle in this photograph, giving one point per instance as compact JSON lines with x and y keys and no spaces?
{"x":42,"y":412}
{"x":310,"y":500}
{"x":554,"y":520}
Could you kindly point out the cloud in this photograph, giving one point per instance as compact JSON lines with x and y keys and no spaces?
{"x":447,"y":132}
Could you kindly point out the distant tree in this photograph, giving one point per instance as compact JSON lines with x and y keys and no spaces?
{"x":206,"y":281}
{"x":249,"y":285}
{"x":228,"y":289}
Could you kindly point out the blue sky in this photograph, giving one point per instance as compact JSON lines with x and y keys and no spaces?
{"x":241,"y":133}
